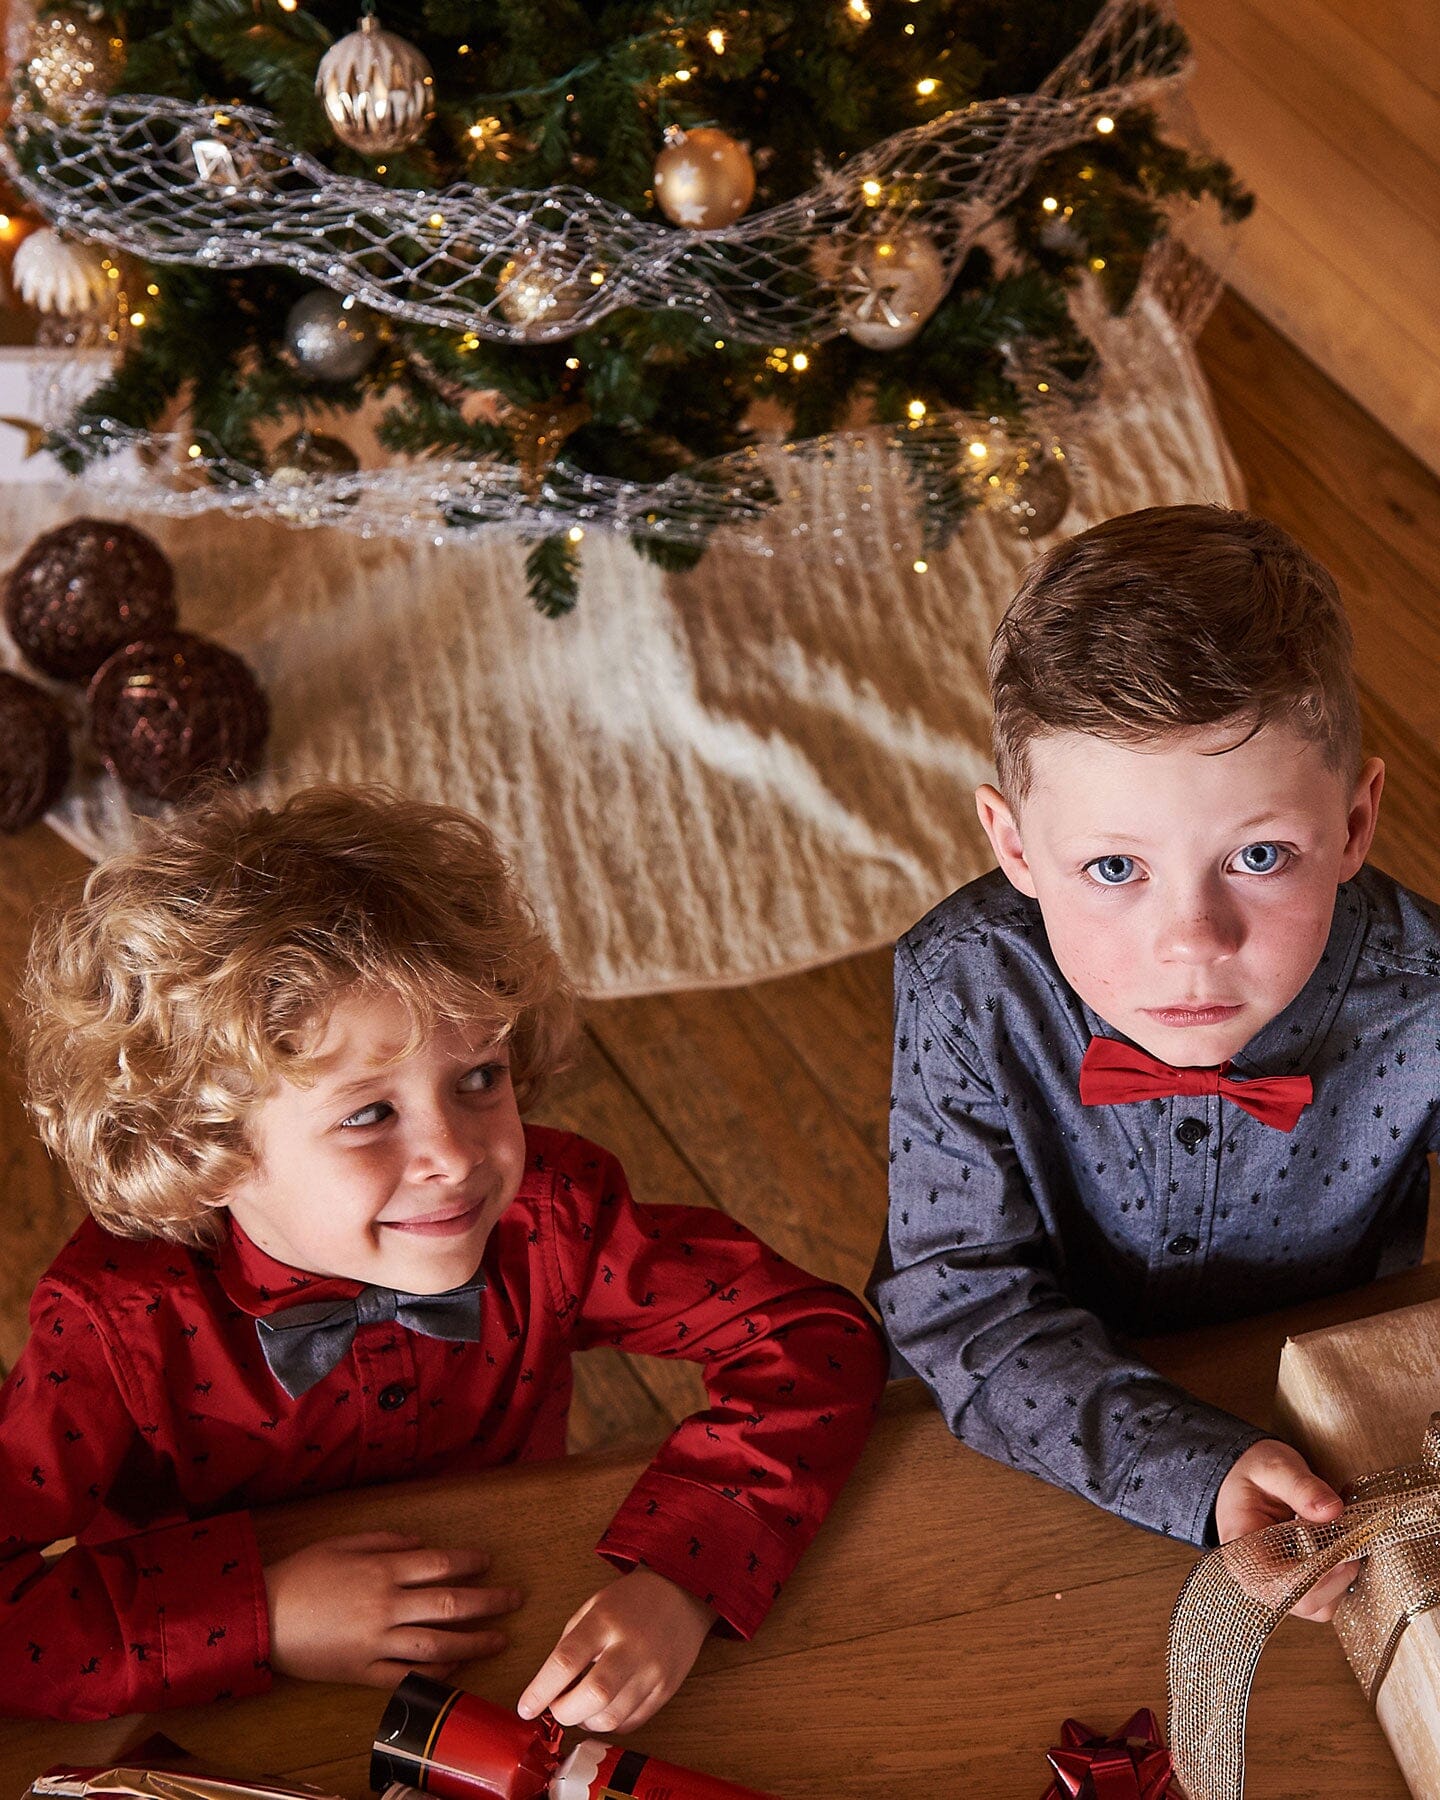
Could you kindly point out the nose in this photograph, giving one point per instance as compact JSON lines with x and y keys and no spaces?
{"x":1199,"y":927}
{"x":442,"y":1149}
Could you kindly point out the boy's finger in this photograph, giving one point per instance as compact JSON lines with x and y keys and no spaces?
{"x":625,"y":1710}
{"x":424,"y":1565}
{"x":565,"y":1664}
{"x":590,"y":1698}
{"x":453,"y":1605}
{"x":1320,"y":1603}
{"x":423,"y":1646}
{"x":1291,"y":1480}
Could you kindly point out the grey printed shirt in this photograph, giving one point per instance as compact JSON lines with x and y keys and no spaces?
{"x":1025,"y":1228}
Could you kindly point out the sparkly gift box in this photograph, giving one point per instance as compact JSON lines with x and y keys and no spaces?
{"x":1356,"y":1398}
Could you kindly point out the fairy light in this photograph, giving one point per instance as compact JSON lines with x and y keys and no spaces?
{"x":436,"y":221}
{"x":683,"y":74}
{"x":464,"y":50}
{"x":859,"y":10}
{"x":909,"y":31}
{"x":1050,"y":203}
{"x":926,"y":87}
{"x":716,"y":40}
{"x":920,"y":565}
{"x":872,"y":191}
{"x":800,"y":361}
{"x":194,"y":452}
{"x":572,"y":362}
{"x":1097,"y":263}
{"x":1104,"y":124}
{"x":596,"y":277}
{"x":979,"y":450}
{"x":137,"y":318}
{"x":916,"y":409}
{"x":719,"y":343}
{"x":151,"y":289}
{"x":575,"y":533}
{"x":1042,"y":387}
{"x":288,"y":5}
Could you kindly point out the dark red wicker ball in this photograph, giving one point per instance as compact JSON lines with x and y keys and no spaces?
{"x":85,"y":589}
{"x":34,"y":752}
{"x":170,"y":712}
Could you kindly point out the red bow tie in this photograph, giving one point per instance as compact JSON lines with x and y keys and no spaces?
{"x":1114,"y":1071}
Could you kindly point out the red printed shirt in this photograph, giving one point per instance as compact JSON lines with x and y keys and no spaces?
{"x":141,"y":1419}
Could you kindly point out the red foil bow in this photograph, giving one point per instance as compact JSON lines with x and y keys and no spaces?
{"x":1132,"y":1765}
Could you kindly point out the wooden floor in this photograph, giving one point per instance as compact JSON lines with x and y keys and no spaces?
{"x":770,"y":1101}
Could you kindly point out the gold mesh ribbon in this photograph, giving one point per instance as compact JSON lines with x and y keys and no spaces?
{"x":1238,"y":1594}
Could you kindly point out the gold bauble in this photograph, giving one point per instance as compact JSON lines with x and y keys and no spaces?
{"x":889,"y":286}
{"x":541,"y":288}
{"x":703,"y":179}
{"x":71,"y":61}
{"x":377,"y":89}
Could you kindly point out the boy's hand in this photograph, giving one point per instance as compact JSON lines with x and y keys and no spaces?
{"x":622,"y":1655}
{"x":1272,"y":1482}
{"x":370,"y":1608}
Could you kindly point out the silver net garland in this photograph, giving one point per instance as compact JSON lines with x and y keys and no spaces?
{"x":218,"y":187}
{"x":125,"y":173}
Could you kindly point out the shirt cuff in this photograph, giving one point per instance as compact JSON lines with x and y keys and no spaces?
{"x":712,"y":1546}
{"x":200,"y":1598}
{"x":1172,"y":1484}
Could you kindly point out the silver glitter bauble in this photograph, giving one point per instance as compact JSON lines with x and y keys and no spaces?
{"x":889,"y":287}
{"x":1042,"y":498}
{"x":55,"y":276}
{"x":70,"y":61}
{"x":332,"y":339}
{"x":703,"y":179}
{"x":543,"y":287}
{"x":377,"y":89}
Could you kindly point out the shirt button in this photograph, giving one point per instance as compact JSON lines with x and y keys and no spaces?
{"x":1178,"y":1246}
{"x":1191,"y":1132}
{"x":393,"y":1396}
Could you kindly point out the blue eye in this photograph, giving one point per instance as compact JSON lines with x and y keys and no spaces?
{"x":367,"y":1115}
{"x":1111,"y":871}
{"x":1261,"y":859}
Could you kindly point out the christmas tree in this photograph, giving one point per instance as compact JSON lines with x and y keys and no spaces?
{"x":584,"y":241}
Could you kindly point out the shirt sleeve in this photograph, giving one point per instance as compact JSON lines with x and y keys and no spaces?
{"x":168,"y":1617}
{"x":967,"y":1291}
{"x":793,"y":1370}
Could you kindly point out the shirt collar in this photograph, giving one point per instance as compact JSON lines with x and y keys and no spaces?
{"x":259,"y":1283}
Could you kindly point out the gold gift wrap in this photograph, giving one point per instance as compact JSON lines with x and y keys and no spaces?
{"x":160,"y":1784}
{"x":1362,"y":1402}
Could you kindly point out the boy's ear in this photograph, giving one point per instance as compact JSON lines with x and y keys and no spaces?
{"x":1362,"y":817}
{"x":997,"y":821}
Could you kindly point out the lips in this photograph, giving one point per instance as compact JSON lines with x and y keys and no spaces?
{"x":1191,"y":1015}
{"x":453,"y":1222}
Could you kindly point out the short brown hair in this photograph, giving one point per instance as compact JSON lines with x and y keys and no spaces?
{"x":202,"y":965}
{"x":1166,"y":620}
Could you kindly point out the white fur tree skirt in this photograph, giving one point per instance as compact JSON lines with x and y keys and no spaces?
{"x":764,"y":764}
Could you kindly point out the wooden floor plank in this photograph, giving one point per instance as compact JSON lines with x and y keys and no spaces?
{"x":754,"y":1124}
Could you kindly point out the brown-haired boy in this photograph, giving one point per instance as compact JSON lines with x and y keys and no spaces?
{"x":1181,"y":823}
{"x":283,"y":1055}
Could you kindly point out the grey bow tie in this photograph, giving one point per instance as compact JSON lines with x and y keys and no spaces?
{"x":304,"y":1343}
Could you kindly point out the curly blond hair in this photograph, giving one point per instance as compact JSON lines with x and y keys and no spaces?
{"x":202,"y":966}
